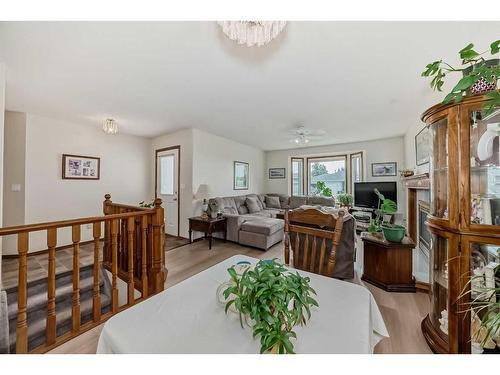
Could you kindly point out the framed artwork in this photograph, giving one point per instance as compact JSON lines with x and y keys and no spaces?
{"x":384,"y":169}
{"x":240,"y":175}
{"x":78,"y":167}
{"x":422,"y":146}
{"x":276,"y":173}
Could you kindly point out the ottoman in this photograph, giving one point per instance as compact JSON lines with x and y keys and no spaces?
{"x":261,"y":233}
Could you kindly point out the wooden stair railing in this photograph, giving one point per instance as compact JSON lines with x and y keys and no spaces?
{"x":133,"y":251}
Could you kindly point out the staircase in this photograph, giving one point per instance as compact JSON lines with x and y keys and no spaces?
{"x":37,"y":304}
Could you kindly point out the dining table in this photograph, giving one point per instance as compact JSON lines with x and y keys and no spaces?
{"x":188,"y":318}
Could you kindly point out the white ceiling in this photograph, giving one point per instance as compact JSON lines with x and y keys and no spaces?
{"x":356,"y":80}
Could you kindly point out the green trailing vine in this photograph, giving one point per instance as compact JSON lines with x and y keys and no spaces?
{"x":274,"y":300}
{"x":474,"y":68}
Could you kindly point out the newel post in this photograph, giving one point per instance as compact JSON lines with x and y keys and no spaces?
{"x":159,"y":275}
{"x":107,"y":210}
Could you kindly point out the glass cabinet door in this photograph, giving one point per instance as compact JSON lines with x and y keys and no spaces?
{"x":439,"y":169}
{"x":485,"y":277}
{"x":485,"y":168}
{"x":439,"y":288}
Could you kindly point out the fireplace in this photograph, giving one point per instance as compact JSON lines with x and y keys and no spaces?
{"x":424,"y":236}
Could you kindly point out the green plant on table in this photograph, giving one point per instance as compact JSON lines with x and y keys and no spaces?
{"x":474,"y":68}
{"x":386,"y":206}
{"x":275,"y":300}
{"x":322,"y":189}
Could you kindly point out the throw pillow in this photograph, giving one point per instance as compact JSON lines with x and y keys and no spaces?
{"x":252,"y":205}
{"x":273,"y":202}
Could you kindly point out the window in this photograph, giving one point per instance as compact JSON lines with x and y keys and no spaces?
{"x":297,"y":176}
{"x":338,"y":172}
{"x":356,"y":169}
{"x":167,"y":174}
{"x":330,"y":170}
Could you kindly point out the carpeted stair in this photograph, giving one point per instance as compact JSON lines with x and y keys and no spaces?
{"x":37,"y":304}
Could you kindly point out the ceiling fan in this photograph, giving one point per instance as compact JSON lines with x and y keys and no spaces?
{"x":302,"y":135}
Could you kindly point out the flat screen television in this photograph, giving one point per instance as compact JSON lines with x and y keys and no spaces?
{"x":365,"y":197}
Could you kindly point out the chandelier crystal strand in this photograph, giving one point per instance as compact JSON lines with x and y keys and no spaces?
{"x":109,"y":126}
{"x":252,"y":33}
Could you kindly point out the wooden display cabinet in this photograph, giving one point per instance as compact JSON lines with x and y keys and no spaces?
{"x":464,"y":217}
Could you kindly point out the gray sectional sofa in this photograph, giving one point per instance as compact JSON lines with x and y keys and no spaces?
{"x":251,"y":221}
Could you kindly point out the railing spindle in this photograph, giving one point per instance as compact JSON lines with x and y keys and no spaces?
{"x":22,"y":295}
{"x":296,"y":250}
{"x":51,"y":287}
{"x":75,"y":311}
{"x":144,"y":259}
{"x":312,"y":261}
{"x":96,"y":300}
{"x":306,"y":252}
{"x":130,"y":248}
{"x":114,"y":264}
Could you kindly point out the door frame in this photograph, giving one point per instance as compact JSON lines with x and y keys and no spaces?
{"x":157,"y":151}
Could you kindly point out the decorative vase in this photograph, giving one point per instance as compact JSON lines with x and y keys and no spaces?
{"x":482,"y":86}
{"x":394,"y":233}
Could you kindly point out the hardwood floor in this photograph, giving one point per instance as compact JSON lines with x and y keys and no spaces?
{"x":402,"y":312}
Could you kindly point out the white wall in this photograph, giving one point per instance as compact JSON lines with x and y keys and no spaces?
{"x":2,"y":111}
{"x":377,"y":151}
{"x":124,"y":174}
{"x":14,"y":166}
{"x":213,"y":159}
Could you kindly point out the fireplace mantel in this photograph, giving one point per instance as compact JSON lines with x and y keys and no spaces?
{"x":419,"y":181}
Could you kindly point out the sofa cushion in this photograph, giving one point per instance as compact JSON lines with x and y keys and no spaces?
{"x":227,"y":205}
{"x":263,"y":226}
{"x":253,"y":205}
{"x":273,"y":202}
{"x":296,"y":202}
{"x":240,"y":204}
{"x":256,"y":199}
{"x":321,"y":201}
{"x":284,"y":199}
{"x":262,"y":199}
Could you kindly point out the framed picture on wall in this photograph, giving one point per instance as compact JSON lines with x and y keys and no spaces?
{"x":384,"y":169}
{"x":422,"y":146}
{"x":240,"y":175}
{"x":78,"y":167}
{"x":276,"y":173}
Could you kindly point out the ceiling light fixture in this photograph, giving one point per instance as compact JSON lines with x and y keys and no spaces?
{"x":252,"y":33}
{"x":109,"y":126}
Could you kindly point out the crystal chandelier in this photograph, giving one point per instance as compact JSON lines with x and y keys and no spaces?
{"x":109,"y":126}
{"x":252,"y":33}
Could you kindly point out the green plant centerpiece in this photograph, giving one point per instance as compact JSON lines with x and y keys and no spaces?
{"x":479,"y":75}
{"x":273,"y":301}
{"x":386,"y":206}
{"x":345,"y":199}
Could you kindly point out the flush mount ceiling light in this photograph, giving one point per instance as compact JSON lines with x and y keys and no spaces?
{"x":109,"y":126}
{"x":252,"y":33}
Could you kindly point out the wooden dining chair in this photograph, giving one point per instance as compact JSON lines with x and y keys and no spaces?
{"x":314,"y":237}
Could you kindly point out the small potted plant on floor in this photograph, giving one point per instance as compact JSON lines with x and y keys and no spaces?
{"x":272,"y":300}
{"x":479,"y":76}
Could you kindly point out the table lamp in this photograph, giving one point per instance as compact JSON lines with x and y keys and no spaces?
{"x":203,"y":192}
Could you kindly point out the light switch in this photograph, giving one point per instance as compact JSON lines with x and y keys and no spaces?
{"x":16,"y":187}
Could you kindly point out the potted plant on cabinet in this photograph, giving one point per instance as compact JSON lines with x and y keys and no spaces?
{"x":479,"y":75}
{"x":392,"y":232}
{"x":345,"y":199}
{"x":272,"y":300}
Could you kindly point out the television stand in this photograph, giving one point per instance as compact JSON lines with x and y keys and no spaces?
{"x":363,"y":217}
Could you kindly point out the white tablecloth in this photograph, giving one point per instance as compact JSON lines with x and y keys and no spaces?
{"x":187,"y":318}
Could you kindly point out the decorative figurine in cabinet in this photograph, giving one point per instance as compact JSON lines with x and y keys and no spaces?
{"x":464,"y":220}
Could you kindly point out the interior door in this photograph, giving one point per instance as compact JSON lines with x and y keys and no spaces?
{"x":167,"y":183}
